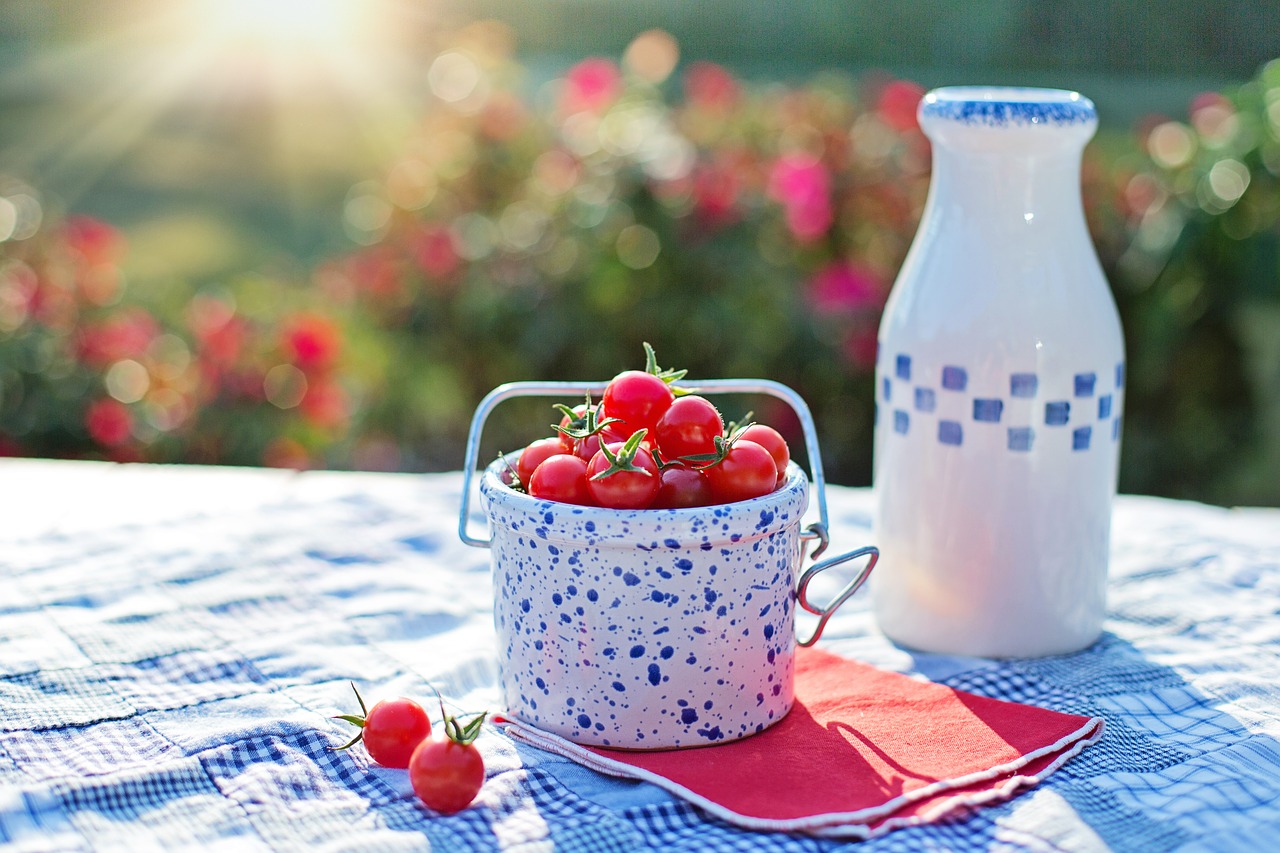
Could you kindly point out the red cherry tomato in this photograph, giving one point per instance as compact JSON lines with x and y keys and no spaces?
{"x":689,"y":427}
{"x":445,"y":774}
{"x":623,"y":489}
{"x":747,"y":471}
{"x":637,"y":398}
{"x":682,"y":487}
{"x":771,"y":440}
{"x":561,"y":478}
{"x":534,"y":455}
{"x":390,"y":730}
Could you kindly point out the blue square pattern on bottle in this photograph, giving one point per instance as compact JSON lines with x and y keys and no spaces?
{"x":950,"y":432}
{"x":1021,"y":438}
{"x":1057,"y":413}
{"x":1104,"y":407}
{"x":954,"y":378}
{"x":1120,"y":375}
{"x":1080,"y":438}
{"x":887,"y":387}
{"x":987,"y":410}
{"x":903,"y":367}
{"x":1085,"y":383}
{"x":926,"y":400}
{"x":1023,"y":384}
{"x":901,"y":421}
{"x":1115,"y":428}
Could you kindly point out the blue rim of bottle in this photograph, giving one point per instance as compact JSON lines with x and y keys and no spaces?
{"x":999,"y":106}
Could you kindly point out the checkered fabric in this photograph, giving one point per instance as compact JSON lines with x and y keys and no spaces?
{"x":174,"y":643}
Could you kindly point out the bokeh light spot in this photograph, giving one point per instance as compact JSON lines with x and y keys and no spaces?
{"x":1171,"y":145}
{"x":127,"y":381}
{"x":285,"y":386}
{"x":652,"y":56}
{"x":638,"y":247}
{"x":453,"y":76}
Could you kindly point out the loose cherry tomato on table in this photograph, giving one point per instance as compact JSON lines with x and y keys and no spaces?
{"x":447,"y":772}
{"x":746,"y":471}
{"x":561,"y":478}
{"x":390,"y":731}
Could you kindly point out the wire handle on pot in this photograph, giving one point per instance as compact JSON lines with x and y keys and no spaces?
{"x":824,"y":613}
{"x":816,"y":531}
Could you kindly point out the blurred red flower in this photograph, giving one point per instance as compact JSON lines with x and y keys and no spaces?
{"x":898,"y":104}
{"x":125,"y":334}
{"x":709,"y":86}
{"x":434,"y":251}
{"x":109,"y":422}
{"x":93,"y":240}
{"x":591,"y":85}
{"x":312,"y":342}
{"x":325,"y":405}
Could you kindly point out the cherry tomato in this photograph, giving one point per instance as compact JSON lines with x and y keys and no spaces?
{"x":637,"y":398}
{"x":586,"y":448}
{"x":561,"y":478}
{"x":534,"y":455}
{"x":747,"y":471}
{"x":391,"y":730}
{"x":621,"y":488}
{"x":689,"y":427}
{"x":445,"y":774}
{"x":682,"y":487}
{"x":771,"y":440}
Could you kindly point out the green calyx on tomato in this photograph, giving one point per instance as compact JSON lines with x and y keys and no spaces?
{"x":623,"y":459}
{"x":669,"y":376}
{"x":579,"y":425}
{"x":703,"y":461}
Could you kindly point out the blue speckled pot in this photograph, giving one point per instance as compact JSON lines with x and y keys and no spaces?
{"x":646,"y":629}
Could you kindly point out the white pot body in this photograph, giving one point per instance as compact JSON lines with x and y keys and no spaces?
{"x":646,"y":629}
{"x":1000,"y":382}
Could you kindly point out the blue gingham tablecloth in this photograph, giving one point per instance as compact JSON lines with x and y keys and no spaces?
{"x":174,"y":642}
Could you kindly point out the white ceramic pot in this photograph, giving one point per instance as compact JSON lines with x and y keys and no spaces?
{"x":655,"y":628}
{"x":1000,"y":379}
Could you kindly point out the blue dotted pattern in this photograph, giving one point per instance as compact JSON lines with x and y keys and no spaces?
{"x":1072,"y":415}
{"x":1005,"y":113}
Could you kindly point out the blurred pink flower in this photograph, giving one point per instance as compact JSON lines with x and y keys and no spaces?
{"x":846,"y":286}
{"x":592,"y":85}
{"x":710,"y":86}
{"x":803,"y":186}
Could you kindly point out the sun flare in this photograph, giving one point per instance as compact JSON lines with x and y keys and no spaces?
{"x":281,"y":23}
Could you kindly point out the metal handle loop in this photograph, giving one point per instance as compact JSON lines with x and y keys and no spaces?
{"x":824,"y":613}
{"x":710,"y":386}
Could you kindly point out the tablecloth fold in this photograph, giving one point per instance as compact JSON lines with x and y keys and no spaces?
{"x":863,"y":751}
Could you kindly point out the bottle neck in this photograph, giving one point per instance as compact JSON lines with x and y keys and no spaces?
{"x":1006,"y":190}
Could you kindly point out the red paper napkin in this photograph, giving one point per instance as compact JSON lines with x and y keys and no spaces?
{"x":863,"y":751}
